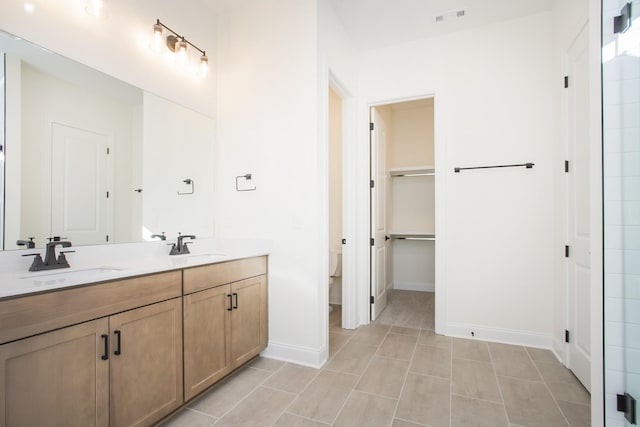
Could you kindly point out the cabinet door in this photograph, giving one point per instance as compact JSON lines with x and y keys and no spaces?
{"x":248,"y":319}
{"x":56,"y":379}
{"x":207,"y":338}
{"x":146,"y":363}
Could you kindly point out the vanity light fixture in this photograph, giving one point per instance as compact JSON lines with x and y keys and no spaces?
{"x":177,"y":44}
{"x":94,"y":7}
{"x":29,"y":7}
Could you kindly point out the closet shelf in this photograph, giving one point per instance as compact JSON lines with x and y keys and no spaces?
{"x":413,"y":236}
{"x":412,"y":171}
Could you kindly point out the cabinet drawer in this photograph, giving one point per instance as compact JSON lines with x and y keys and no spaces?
{"x":30,"y":315}
{"x":208,"y":276}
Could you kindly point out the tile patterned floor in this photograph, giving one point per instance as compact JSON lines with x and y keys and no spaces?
{"x":411,"y":309}
{"x":382,"y":375}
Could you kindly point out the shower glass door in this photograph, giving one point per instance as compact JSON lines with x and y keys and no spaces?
{"x":621,"y":169}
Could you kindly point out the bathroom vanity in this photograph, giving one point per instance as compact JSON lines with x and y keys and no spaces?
{"x":127,"y":346}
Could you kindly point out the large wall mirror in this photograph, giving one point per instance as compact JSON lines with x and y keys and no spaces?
{"x":92,"y":159}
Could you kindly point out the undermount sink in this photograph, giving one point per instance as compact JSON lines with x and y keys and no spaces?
{"x":186,"y":259}
{"x":58,"y":276}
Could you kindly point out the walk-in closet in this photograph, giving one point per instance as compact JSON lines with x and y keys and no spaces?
{"x":404,"y":255}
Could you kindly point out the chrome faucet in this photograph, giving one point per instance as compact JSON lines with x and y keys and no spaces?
{"x":181,"y":248}
{"x":50,"y":261}
{"x":159,"y":236}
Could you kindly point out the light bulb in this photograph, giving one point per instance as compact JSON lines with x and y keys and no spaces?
{"x":156,"y":41}
{"x":94,"y":7}
{"x":204,"y":65}
{"x":181,"y":51}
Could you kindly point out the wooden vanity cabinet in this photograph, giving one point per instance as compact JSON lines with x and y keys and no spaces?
{"x":56,"y":379}
{"x":123,"y":369}
{"x":137,"y":349}
{"x":225,"y":324}
{"x":146,"y":363}
{"x":248,"y":319}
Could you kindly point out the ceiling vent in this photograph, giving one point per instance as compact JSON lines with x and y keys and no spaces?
{"x":449,"y":15}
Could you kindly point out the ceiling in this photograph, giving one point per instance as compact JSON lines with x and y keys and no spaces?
{"x":378,"y":23}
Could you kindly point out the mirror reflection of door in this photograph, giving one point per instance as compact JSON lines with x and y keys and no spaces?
{"x":80,"y":208}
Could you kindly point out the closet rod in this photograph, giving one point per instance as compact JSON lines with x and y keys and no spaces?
{"x":414,"y":174}
{"x":527,"y":165}
{"x":415,"y":238}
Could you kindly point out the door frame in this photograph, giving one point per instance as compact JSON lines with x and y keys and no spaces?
{"x":439,"y":162}
{"x":349,"y":216}
{"x":570,"y":148}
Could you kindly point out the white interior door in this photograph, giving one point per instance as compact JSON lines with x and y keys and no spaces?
{"x":578,"y":262}
{"x":79,"y":187}
{"x":379,"y":250}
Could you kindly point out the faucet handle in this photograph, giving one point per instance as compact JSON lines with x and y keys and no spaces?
{"x":37,"y":263}
{"x":56,"y":238}
{"x":62,"y":258}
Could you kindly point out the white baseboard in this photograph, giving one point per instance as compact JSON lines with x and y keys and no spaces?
{"x":314,"y":358}
{"x":414,"y":286}
{"x":558,"y":349}
{"x":505,"y":336}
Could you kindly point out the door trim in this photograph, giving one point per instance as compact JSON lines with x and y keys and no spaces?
{"x":440,"y":322}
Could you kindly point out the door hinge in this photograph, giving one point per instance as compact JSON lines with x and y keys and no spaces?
{"x":371,"y":126}
{"x":622,"y":22}
{"x":566,"y":251}
{"x":372,"y":241}
{"x":372,"y":184}
{"x":107,"y":237}
{"x":107,"y":194}
{"x":566,"y":335}
{"x":566,"y":165}
{"x":566,"y":82}
{"x":344,"y":241}
{"x":372,"y":299}
{"x":107,"y":150}
{"x":627,"y":404}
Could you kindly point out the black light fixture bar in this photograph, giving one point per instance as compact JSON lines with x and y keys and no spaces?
{"x":527,"y":165}
{"x":181,"y":38}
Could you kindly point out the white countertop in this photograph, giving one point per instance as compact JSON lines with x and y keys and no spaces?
{"x":92,"y":264}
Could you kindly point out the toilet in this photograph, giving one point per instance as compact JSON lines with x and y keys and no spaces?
{"x":335,"y":267}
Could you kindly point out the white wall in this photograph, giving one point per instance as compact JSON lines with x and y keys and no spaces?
{"x":337,"y":66}
{"x":411,"y":134}
{"x":177,"y":144}
{"x":335,"y":170}
{"x":335,"y":187}
{"x":118,"y":43}
{"x":13,"y":152}
{"x":493,"y":91}
{"x":45,"y":100}
{"x":268,"y":123}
